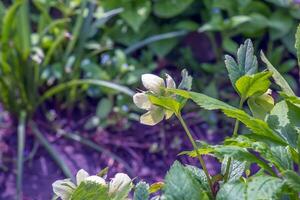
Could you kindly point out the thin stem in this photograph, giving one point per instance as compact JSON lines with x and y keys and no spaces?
{"x":21,"y":145}
{"x":196,"y":149}
{"x":235,"y":130}
{"x":237,"y":122}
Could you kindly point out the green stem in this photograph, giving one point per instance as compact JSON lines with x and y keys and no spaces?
{"x":235,"y":130}
{"x":21,"y":145}
{"x":237,"y":122}
{"x":196,"y":149}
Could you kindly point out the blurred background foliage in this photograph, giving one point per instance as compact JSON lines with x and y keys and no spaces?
{"x":74,"y":54}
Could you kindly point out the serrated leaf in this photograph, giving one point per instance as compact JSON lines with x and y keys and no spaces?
{"x":141,"y":191}
{"x":256,"y":84}
{"x":181,"y":185}
{"x":284,"y":119}
{"x":166,"y":102}
{"x":257,"y":126}
{"x":256,"y":188}
{"x":167,"y":9}
{"x":246,"y":63}
{"x":277,"y":76}
{"x":236,"y":169}
{"x":292,"y":179}
{"x":90,"y":190}
{"x":199,"y":175}
{"x":235,"y":152}
{"x":208,"y":103}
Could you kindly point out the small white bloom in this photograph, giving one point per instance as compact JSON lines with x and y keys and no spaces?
{"x":155,"y":85}
{"x":63,"y":188}
{"x":96,"y":179}
{"x":119,"y":183}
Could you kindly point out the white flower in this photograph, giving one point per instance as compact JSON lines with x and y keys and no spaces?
{"x":119,"y":183}
{"x":155,"y":85}
{"x":65,"y":188}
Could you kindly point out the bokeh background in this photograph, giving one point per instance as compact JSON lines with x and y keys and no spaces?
{"x":68,"y":69}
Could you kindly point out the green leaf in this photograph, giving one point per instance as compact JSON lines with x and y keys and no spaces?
{"x":141,"y":191}
{"x":104,"y":108}
{"x":90,"y":190}
{"x":199,"y":175}
{"x":168,"y":9}
{"x":240,"y":154}
{"x":257,"y":126}
{"x":236,"y":170}
{"x":166,"y":102}
{"x":277,"y":76}
{"x":297,"y":44}
{"x":256,"y":188}
{"x":181,"y":185}
{"x":292,"y":179}
{"x":261,"y":105}
{"x":284,"y":119}
{"x":250,"y":85}
{"x":246,"y":63}
{"x":135,"y":12}
{"x":207,"y":102}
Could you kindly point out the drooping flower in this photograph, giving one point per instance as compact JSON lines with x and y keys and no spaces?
{"x":119,"y":183}
{"x":155,"y":85}
{"x":65,"y":188}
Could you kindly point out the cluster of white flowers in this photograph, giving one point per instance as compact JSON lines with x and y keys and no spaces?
{"x":155,"y":85}
{"x":65,"y":188}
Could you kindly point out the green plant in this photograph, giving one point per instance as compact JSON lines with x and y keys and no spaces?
{"x":271,"y":142}
{"x":30,"y":45}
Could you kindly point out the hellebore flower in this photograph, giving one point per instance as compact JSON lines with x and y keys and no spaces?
{"x":155,"y":85}
{"x":65,"y":188}
{"x":119,"y":183}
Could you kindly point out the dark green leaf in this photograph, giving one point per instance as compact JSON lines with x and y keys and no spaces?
{"x":292,"y":179}
{"x":256,"y":188}
{"x":168,"y":9}
{"x":246,"y":63}
{"x":181,"y":185}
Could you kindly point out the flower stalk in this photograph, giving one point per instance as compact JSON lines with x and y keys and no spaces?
{"x":178,"y":115}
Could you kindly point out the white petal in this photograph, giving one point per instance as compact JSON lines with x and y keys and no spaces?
{"x":96,"y":179}
{"x":153,"y":82}
{"x":141,"y":100}
{"x":119,"y":183}
{"x":63,"y":188}
{"x":170,"y":82}
{"x":81,"y":176}
{"x":152,"y":117}
{"x":168,"y":114}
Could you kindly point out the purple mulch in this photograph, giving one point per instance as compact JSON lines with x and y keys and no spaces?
{"x":149,"y":151}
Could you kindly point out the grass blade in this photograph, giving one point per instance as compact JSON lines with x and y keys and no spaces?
{"x":53,"y":153}
{"x":154,"y":38}
{"x":63,"y":86}
{"x":21,"y":145}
